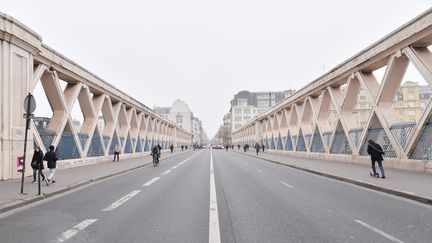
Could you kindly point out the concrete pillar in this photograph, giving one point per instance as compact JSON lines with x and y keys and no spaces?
{"x":17,"y":46}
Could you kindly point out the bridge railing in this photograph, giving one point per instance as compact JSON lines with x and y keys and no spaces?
{"x":369,"y":96}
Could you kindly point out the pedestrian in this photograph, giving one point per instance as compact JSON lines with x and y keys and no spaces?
{"x":116,"y":152}
{"x":182,"y":147}
{"x":244,"y":148}
{"x":263,"y":146}
{"x":186,"y":147}
{"x":238,"y":146}
{"x":376,"y":153}
{"x":226,"y":147}
{"x":257,"y":148}
{"x":51,"y":158}
{"x":172,"y":148}
{"x":37,"y":164}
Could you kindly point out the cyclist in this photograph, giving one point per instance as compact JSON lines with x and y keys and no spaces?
{"x":156,"y":154}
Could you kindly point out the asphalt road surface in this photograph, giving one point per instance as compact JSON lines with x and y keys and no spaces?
{"x":219,"y":196}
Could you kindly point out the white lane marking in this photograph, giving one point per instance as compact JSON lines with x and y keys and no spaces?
{"x":122,"y":200}
{"x":175,"y":167}
{"x":70,"y":233}
{"x":148,"y":183}
{"x":166,"y":172}
{"x":286,"y":184}
{"x":260,"y":171}
{"x":214,"y":231}
{"x":389,"y":237}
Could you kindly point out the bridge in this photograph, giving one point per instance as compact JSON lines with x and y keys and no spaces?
{"x":222,"y":195}
{"x":321,"y":120}
{"x":26,"y":62}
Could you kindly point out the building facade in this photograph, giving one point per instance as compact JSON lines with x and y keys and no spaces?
{"x":246,"y":105}
{"x":182,"y":116}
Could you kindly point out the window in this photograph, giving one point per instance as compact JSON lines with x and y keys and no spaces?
{"x":411,"y":104}
{"x":263,"y":103}
{"x":410,"y":97}
{"x":242,"y":102}
{"x":246,"y":111}
{"x":179,"y":118}
{"x":411,"y":113}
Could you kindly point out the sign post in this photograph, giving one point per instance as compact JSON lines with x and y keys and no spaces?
{"x":29,"y":108}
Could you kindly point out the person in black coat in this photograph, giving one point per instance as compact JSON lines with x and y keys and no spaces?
{"x":37,"y":163}
{"x":51,"y":159}
{"x":376,"y":153}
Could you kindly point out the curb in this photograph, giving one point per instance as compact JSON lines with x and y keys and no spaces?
{"x":395,"y":192}
{"x":27,"y":201}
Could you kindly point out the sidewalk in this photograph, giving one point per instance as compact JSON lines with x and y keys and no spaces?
{"x":68,"y":179}
{"x":407,"y":184}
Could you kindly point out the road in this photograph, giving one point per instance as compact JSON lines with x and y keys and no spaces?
{"x":255,"y":201}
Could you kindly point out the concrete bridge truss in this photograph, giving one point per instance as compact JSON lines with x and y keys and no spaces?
{"x":321,"y":120}
{"x":110,"y":116}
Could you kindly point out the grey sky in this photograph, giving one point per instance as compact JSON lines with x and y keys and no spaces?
{"x":204,"y":52}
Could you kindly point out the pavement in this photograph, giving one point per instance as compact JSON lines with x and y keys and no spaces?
{"x":68,"y":179}
{"x":411,"y":185}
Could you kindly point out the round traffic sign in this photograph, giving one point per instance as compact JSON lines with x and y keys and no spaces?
{"x":32,"y":105}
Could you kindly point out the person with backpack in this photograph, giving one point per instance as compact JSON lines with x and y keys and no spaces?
{"x":51,"y":158}
{"x":376,"y":153}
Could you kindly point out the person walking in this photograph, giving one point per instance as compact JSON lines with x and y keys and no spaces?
{"x":182,"y":147}
{"x":257,"y":148}
{"x":51,"y":158}
{"x":116,"y":152}
{"x":172,"y":148}
{"x":37,"y":164}
{"x":238,"y":146}
{"x":376,"y":153}
{"x":263,"y":147}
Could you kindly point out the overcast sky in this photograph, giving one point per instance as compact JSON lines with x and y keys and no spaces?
{"x":205,"y":51}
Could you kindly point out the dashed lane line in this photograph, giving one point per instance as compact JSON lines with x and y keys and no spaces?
{"x":166,"y":172}
{"x":75,"y":230}
{"x":148,"y":183}
{"x":122,"y":200}
{"x":387,"y":236}
{"x":287,"y":185}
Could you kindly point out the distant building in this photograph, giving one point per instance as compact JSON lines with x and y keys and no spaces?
{"x":409,"y":103}
{"x":180,"y":114}
{"x":246,"y":105}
